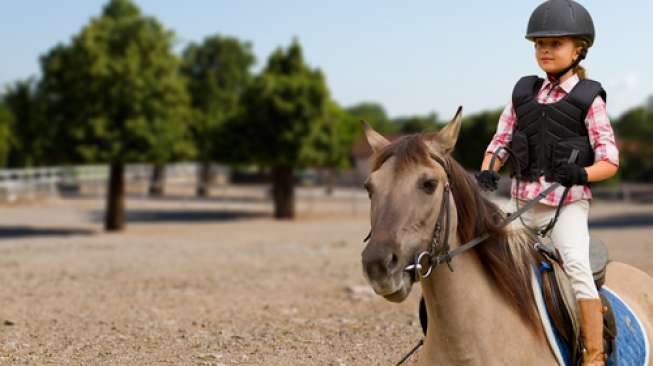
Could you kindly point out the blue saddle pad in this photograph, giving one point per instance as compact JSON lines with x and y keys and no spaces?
{"x":631,"y":344}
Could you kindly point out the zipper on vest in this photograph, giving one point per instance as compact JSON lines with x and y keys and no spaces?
{"x":541,"y":155}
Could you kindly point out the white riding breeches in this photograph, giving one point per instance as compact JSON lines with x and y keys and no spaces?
{"x":570,"y":236}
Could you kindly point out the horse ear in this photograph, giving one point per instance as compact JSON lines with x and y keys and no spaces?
{"x":376,"y":141}
{"x":448,"y":135}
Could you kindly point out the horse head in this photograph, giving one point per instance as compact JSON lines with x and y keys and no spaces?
{"x":406,"y":186}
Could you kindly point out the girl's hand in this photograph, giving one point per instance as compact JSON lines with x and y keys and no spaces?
{"x":487,"y":180}
{"x":569,"y":174}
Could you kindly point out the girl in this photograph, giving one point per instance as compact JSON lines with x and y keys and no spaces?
{"x":547,"y":120}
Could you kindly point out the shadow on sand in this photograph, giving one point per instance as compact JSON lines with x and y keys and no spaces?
{"x":17,"y":232}
{"x":624,"y":221}
{"x":184,"y":216}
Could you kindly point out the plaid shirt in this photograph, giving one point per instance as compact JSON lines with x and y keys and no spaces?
{"x":601,"y":138}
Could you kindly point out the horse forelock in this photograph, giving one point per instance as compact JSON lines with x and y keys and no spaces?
{"x":409,"y":150}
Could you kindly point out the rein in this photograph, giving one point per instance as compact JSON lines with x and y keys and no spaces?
{"x":430,"y":259}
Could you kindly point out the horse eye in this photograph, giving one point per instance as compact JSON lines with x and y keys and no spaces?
{"x":429,"y":185}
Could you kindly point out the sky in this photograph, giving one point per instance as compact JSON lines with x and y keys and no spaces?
{"x":413,"y":57}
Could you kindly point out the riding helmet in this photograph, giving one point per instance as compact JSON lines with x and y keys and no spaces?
{"x":559,"y":18}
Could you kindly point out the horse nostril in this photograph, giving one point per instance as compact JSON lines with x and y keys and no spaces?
{"x":378,"y":264}
{"x":392,"y":264}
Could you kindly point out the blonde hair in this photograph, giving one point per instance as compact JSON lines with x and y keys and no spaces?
{"x":579,"y":70}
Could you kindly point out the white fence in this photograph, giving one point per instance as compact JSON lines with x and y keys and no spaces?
{"x":51,"y":181}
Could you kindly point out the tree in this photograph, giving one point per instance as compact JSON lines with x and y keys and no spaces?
{"x":218,"y":70}
{"x":634,"y":129}
{"x":375,"y":114}
{"x":116,"y":95}
{"x":475,"y":134}
{"x":280,"y":109}
{"x":330,"y":142}
{"x":6,"y":121}
{"x":31,"y":142}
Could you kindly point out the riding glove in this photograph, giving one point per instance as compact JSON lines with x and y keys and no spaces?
{"x":569,"y":174}
{"x":487,"y":179}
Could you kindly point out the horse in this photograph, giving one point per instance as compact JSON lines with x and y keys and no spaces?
{"x":483,"y":312}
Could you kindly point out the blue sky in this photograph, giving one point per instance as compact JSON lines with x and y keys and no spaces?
{"x":414,"y":57}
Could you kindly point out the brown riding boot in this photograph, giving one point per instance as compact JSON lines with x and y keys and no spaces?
{"x":591,"y":331}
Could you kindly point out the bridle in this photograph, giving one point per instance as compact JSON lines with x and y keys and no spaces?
{"x":438,"y":252}
{"x":431,"y":256}
{"x":427,"y":260}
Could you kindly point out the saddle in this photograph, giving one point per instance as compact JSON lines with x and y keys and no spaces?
{"x":561,"y":303}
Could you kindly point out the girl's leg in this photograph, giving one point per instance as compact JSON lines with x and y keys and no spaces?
{"x":571,"y":236}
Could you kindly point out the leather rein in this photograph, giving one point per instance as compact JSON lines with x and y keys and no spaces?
{"x":427,"y":260}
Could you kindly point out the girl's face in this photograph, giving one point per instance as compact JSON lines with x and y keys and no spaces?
{"x":554,"y":54}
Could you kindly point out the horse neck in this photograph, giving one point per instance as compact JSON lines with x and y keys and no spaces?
{"x":469,"y":321}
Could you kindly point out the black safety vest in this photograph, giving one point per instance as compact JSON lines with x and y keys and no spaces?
{"x":546,"y":134}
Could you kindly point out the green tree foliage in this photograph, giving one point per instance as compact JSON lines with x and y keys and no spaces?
{"x":634,"y":130}
{"x":475,"y":134}
{"x":6,"y":138}
{"x":116,"y":95}
{"x":375,"y":114}
{"x":281,"y":107}
{"x":31,"y":142}
{"x":218,"y":71}
{"x":331,"y":140}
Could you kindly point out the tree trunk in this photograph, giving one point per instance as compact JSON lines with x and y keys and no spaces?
{"x":157,"y":180}
{"x":283,"y":191}
{"x":115,"y":215}
{"x":204,"y":179}
{"x":330,"y":181}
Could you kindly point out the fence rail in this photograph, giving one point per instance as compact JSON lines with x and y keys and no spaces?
{"x":52,"y":181}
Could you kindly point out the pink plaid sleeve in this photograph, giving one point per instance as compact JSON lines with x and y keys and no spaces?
{"x":601,"y":134}
{"x":503,"y":135}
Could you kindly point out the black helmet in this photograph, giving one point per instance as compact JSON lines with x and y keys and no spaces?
{"x":559,"y":18}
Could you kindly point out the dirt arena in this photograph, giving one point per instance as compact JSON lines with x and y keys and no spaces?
{"x":216,"y":282}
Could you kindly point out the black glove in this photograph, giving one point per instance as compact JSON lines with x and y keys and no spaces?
{"x":487,"y":180}
{"x":569,"y":174}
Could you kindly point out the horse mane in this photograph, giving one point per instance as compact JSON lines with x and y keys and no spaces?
{"x":507,"y":256}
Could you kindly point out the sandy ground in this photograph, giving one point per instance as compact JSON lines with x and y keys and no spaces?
{"x":215,"y":282}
